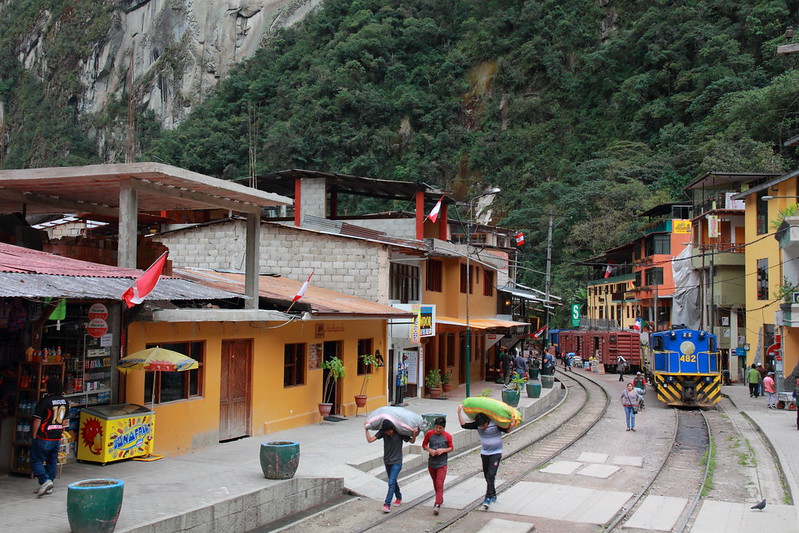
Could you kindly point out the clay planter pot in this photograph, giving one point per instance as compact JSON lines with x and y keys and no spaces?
{"x":280,"y":459}
{"x":533,"y":389}
{"x":446,"y":387}
{"x":93,"y":505}
{"x":360,"y":400}
{"x":325,"y":408}
{"x":511,"y":397}
{"x":547,"y":381}
{"x":435,"y":392}
{"x":534,"y":373}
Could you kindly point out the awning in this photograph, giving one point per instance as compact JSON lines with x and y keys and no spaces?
{"x":479,"y":323}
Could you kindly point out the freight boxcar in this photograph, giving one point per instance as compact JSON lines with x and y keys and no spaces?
{"x":606,"y":346}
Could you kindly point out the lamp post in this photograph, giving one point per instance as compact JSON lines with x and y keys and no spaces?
{"x":493,"y":190}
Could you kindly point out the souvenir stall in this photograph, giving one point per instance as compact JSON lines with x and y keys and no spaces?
{"x":74,"y":341}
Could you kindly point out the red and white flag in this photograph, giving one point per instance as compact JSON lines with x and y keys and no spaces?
{"x":146,"y":283}
{"x":304,"y":288}
{"x":608,"y":271}
{"x":434,"y":213}
{"x":519,"y":238}
{"x":540,"y":331}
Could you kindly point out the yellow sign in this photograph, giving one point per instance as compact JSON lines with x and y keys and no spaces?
{"x":681,"y":226}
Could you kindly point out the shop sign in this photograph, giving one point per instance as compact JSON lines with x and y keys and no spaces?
{"x":773,"y":350}
{"x":97,"y":327}
{"x":98,"y":310}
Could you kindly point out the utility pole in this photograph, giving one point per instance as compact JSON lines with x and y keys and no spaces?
{"x":549,"y":275}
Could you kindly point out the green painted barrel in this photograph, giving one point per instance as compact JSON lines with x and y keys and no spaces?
{"x":547,"y":381}
{"x":280,"y":459}
{"x":533,"y":389}
{"x":93,"y":505}
{"x":511,"y":397}
{"x":430,"y":418}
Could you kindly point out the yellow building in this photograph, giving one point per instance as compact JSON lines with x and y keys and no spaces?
{"x":772,"y":246}
{"x":259,"y":370}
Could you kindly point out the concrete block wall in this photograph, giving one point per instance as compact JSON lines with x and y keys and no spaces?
{"x":350,"y":266}
{"x":404,"y":228}
{"x":313,"y":199}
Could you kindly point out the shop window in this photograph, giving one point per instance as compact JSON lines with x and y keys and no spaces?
{"x":173,"y":386}
{"x":404,"y":283}
{"x":654,"y":276}
{"x":364,"y":346}
{"x":762,"y":215}
{"x":435,"y":275}
{"x":762,"y":279}
{"x":293,"y":364}
{"x":488,"y":282}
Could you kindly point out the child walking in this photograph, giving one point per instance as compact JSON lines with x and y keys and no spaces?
{"x":438,"y":443}
{"x":392,"y":457}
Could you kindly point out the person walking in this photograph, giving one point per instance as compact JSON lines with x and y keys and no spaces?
{"x":629,"y":400}
{"x":507,"y":365}
{"x":392,"y":458}
{"x":49,"y":421}
{"x":569,"y":361}
{"x":762,"y":370}
{"x":639,"y":384}
{"x":520,"y":364}
{"x":621,"y":366}
{"x":438,"y":443}
{"x":753,"y":379}
{"x":490,"y":450}
{"x":770,"y":390}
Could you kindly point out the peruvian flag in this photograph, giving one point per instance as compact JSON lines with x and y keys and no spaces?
{"x":304,"y":288}
{"x":608,"y":271}
{"x":540,"y":331}
{"x":638,"y":324}
{"x":519,"y":238}
{"x":434,"y":213}
{"x":146,"y":283}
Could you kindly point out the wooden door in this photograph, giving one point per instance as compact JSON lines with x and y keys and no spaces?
{"x":234,"y":393}
{"x":332,"y":349}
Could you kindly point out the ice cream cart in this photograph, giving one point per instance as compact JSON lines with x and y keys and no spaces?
{"x":112,"y":432}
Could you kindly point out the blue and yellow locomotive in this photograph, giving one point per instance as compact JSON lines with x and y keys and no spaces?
{"x":686,"y":367}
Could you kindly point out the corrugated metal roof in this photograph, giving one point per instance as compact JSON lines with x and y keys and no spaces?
{"x":101,"y":288}
{"x":323,"y":302}
{"x":35,"y":274}
{"x":479,"y":323}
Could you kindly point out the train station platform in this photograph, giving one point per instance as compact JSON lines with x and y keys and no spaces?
{"x":223,"y":488}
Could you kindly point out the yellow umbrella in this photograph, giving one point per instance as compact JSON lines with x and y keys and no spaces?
{"x":157,"y":360}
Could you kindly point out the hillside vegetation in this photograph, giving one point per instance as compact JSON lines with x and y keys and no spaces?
{"x":591,"y":111}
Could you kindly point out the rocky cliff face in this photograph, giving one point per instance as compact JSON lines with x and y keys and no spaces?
{"x":174,"y":51}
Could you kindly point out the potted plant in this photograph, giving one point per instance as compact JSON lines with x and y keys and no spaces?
{"x":370,"y":362}
{"x":433,"y":382}
{"x":513,"y":390}
{"x":336,"y":371}
{"x":446,"y":381}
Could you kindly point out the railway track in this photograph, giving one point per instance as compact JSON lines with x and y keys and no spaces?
{"x":526,"y":449}
{"x":683,"y":472}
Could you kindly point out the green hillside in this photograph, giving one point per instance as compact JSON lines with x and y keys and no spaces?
{"x":588,"y":110}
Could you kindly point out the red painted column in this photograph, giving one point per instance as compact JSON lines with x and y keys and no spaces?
{"x":420,"y":215}
{"x":443,"y":224}
{"x":297,"y":202}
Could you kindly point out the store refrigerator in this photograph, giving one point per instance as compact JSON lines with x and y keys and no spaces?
{"x":113,"y":432}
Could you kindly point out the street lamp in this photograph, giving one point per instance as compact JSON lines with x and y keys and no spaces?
{"x":493,"y":190}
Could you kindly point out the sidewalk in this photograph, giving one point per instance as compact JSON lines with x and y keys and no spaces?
{"x":222,"y":487}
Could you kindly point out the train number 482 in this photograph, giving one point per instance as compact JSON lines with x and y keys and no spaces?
{"x":688,"y":358}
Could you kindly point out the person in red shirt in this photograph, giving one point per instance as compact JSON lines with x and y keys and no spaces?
{"x":49,"y":421}
{"x":438,"y":443}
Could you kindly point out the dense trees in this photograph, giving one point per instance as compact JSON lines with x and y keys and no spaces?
{"x":590,"y":111}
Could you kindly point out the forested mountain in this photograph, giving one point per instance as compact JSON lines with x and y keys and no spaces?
{"x":592,"y":111}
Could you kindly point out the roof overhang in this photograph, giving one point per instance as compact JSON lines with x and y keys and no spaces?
{"x":220,"y":315}
{"x":711,"y":179}
{"x":97,"y":188}
{"x":766,"y":185}
{"x":479,"y":323}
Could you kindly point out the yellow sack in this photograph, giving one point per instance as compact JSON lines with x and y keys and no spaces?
{"x":502,"y":414}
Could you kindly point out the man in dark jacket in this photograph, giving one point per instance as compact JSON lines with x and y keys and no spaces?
{"x":49,"y":421}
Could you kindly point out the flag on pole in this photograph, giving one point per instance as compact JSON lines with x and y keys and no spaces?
{"x":434,"y":213}
{"x":146,"y":283}
{"x":608,"y":271}
{"x":638,"y":326}
{"x":519,"y":238}
{"x":304,"y":288}
{"x":540,"y":331}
